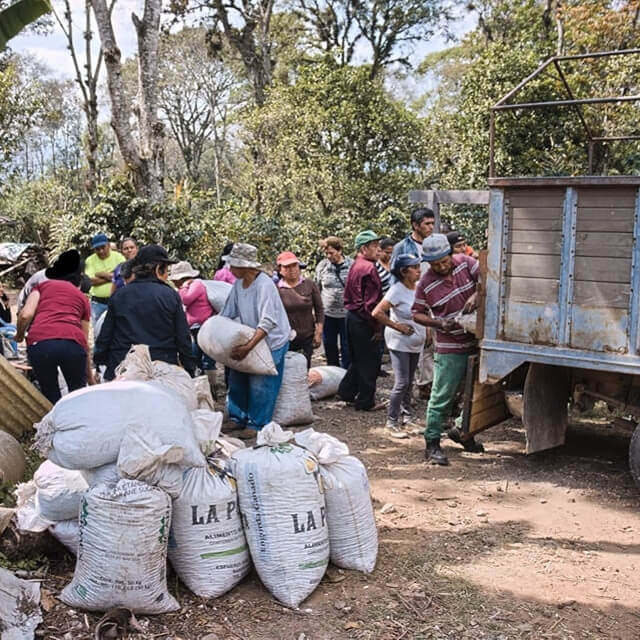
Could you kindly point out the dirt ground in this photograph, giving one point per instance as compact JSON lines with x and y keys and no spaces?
{"x":497,"y":545}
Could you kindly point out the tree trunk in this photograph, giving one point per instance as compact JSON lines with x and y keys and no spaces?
{"x":144,"y":153}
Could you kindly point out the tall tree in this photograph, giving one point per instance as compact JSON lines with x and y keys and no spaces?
{"x":143,"y":153}
{"x":87,"y":75}
{"x":384,"y":29}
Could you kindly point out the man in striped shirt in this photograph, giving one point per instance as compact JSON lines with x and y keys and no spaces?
{"x":446,"y":289}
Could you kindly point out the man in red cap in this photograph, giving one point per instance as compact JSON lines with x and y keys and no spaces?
{"x":303,"y":304}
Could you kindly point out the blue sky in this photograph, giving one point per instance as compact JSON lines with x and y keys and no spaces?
{"x":52,"y":51}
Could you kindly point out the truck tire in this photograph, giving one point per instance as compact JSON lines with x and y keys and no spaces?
{"x":634,"y":456}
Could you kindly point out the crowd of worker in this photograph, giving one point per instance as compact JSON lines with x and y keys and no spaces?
{"x":403,"y":296}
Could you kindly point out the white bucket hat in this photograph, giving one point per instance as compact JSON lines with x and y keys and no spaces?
{"x":242,"y":255}
{"x":183,"y":270}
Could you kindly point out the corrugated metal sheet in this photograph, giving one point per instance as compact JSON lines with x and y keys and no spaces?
{"x":21,"y":404}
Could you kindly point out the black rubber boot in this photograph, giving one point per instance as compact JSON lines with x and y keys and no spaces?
{"x":469,"y":445}
{"x":434,"y":453}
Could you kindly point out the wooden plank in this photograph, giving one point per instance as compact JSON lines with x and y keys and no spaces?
{"x":534,"y":211}
{"x":490,"y":399}
{"x":536,"y":224}
{"x":28,"y":404}
{"x":606,"y":197}
{"x":604,"y":225}
{"x":484,"y":391}
{"x":605,"y":244}
{"x":542,"y":200}
{"x":601,"y":294}
{"x":488,"y":418}
{"x":532,"y":289}
{"x":533,"y":266}
{"x":603,"y":269}
{"x":451,"y":196}
{"x":482,"y":291}
{"x":567,"y":181}
{"x":606,"y":212}
{"x":536,"y":242}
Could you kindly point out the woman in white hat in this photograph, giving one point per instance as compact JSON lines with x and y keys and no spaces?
{"x":255,"y":302}
{"x":196,"y":303}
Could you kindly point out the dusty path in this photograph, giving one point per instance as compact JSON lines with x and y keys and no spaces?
{"x":497,"y":545}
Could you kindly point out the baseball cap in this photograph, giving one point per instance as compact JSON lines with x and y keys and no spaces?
{"x":406,"y":260}
{"x":454,"y":237}
{"x":99,"y":240}
{"x":434,"y":247}
{"x":365,"y":237}
{"x":151,"y":253}
{"x":286,"y":258}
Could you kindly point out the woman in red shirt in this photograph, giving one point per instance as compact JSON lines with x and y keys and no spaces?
{"x":57,"y":316}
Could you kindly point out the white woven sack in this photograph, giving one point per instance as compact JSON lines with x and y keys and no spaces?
{"x":67,"y":532}
{"x":28,"y":517}
{"x":138,"y":365}
{"x":84,"y":429}
{"x":352,"y":527}
{"x":219,"y":335}
{"x":217,"y":293}
{"x":59,"y":491}
{"x":206,"y":428}
{"x":207,"y":547}
{"x":106,"y":474}
{"x":203,"y":393}
{"x":293,"y":405}
{"x":122,"y":550}
{"x":145,"y":458}
{"x":324,"y":381}
{"x":284,"y":514}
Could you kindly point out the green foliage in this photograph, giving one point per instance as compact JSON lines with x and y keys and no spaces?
{"x":332,"y":153}
{"x":15,"y":18}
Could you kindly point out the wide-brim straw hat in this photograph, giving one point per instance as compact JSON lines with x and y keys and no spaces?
{"x":242,"y":256}
{"x":183,"y":270}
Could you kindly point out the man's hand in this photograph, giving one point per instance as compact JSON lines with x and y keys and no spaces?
{"x":448,"y":325}
{"x":471,"y":304}
{"x":241,"y":351}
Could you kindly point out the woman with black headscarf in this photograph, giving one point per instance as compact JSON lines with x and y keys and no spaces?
{"x":57,"y":317}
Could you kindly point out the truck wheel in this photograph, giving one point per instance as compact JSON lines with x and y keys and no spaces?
{"x":634,"y":456}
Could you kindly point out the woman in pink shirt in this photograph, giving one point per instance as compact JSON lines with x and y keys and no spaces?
{"x":196,"y":303}
{"x":56,"y":315}
{"x":223,"y":273}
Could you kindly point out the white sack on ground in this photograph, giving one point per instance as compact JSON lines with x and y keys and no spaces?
{"x":122,"y":550}
{"x":293,"y":405}
{"x":84,"y":430}
{"x":352,"y":527}
{"x":106,"y":474}
{"x":206,"y":428}
{"x":19,"y":607}
{"x":217,"y":293}
{"x":145,"y":458}
{"x":203,"y":393}
{"x":324,"y":381}
{"x":67,"y":532}
{"x":59,"y":491}
{"x":219,"y":335}
{"x":284,"y":514}
{"x":207,"y":546}
{"x":28,"y":517}
{"x":138,"y":365}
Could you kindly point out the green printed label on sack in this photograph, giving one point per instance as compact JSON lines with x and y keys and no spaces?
{"x":283,"y":447}
{"x":84,"y":511}
{"x":223,"y":554}
{"x":314,"y":565}
{"x":162,"y":534}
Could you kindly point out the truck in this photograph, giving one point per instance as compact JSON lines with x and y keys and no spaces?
{"x":559,"y":299}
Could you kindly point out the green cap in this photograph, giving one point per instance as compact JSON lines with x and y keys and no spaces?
{"x":364,"y":237}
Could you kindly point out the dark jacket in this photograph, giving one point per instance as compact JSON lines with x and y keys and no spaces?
{"x":150,"y":312}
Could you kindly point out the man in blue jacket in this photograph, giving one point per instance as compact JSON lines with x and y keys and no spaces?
{"x":422,"y":221}
{"x":146,"y":311}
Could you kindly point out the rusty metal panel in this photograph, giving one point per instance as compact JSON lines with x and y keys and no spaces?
{"x":599,"y":329}
{"x":21,"y":404}
{"x":532,"y":323}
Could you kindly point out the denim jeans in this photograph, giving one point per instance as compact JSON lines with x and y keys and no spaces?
{"x":203,"y":361}
{"x":332,"y":329}
{"x":404,"y":367}
{"x":45,"y":358}
{"x":251,"y":399}
{"x":97,"y":309}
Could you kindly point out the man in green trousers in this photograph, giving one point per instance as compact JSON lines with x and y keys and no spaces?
{"x":446,"y":288}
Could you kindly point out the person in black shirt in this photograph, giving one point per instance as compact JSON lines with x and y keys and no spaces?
{"x":146,"y":311}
